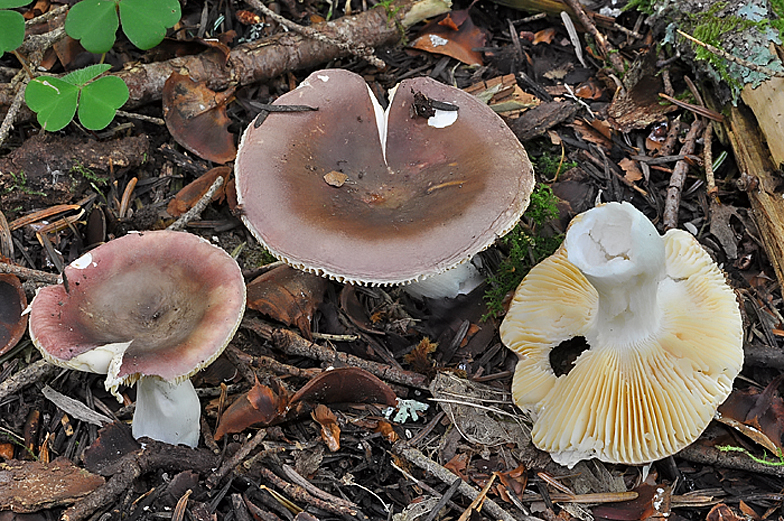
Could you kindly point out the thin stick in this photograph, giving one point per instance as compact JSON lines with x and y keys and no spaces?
{"x":604,"y":45}
{"x":26,"y":377}
{"x":13,"y":110}
{"x":416,"y":457}
{"x":43,"y":277}
{"x":673,"y":201}
{"x":293,"y":344}
{"x":199,"y":207}
{"x":358,"y":50}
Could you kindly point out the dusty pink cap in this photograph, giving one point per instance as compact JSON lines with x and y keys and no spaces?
{"x":157,"y":303}
{"x":365,"y":196}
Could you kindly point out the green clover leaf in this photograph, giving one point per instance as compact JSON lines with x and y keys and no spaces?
{"x":100,"y":100}
{"x":13,"y":25}
{"x":12,"y":4}
{"x":13,"y":31}
{"x":94,"y":23}
{"x":144,"y":22}
{"x":54,"y":100}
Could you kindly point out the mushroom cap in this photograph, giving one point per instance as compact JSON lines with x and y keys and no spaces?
{"x":158,"y":303}
{"x":381,"y":198}
{"x":626,"y":400}
{"x":13,"y":301}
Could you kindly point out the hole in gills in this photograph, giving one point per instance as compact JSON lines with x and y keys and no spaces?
{"x":564,"y":355}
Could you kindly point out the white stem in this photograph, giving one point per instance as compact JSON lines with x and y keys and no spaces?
{"x":622,"y":255}
{"x":167,"y":412}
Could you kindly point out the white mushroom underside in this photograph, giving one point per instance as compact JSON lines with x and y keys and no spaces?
{"x":646,"y":389}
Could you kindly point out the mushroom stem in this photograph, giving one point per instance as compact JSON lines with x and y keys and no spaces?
{"x":460,"y":280}
{"x":167,"y":412}
{"x":623,"y":256}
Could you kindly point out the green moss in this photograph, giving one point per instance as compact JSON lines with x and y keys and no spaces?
{"x":20,"y":184}
{"x":643,"y":6}
{"x":527,"y":246}
{"x":90,"y":176}
{"x":549,"y":165}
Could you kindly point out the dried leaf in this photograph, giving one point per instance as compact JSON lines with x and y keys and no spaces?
{"x":259,"y":406}
{"x":387,"y":431}
{"x":591,"y":89}
{"x":457,"y":465}
{"x":544,"y":36}
{"x":354,"y":310}
{"x":29,"y":486}
{"x":196,"y":118}
{"x":192,"y":192}
{"x":633,"y":172}
{"x":652,"y":502}
{"x":330,"y":430}
{"x":758,"y":415}
{"x":419,"y":357}
{"x":454,"y":35}
{"x":722,"y":512}
{"x":345,"y":385}
{"x":288,"y":295}
{"x":114,"y":441}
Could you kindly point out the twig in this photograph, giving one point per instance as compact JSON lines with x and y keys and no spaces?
{"x":27,"y":376}
{"x":155,"y":455}
{"x":415,"y":457}
{"x":673,"y":201}
{"x":300,"y":494}
{"x":297,"y":479}
{"x":13,"y":110}
{"x":141,"y":117}
{"x":358,"y":50}
{"x":729,"y":57}
{"x":52,"y":13}
{"x":707,"y":154}
{"x":199,"y":207}
{"x":216,"y":477}
{"x":293,"y":344}
{"x":43,"y":277}
{"x":604,"y":45}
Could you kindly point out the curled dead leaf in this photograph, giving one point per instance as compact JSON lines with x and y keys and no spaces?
{"x":454,"y":35}
{"x":196,"y":118}
{"x":190,"y":194}
{"x":259,"y":406}
{"x":346,"y":385}
{"x":287,"y":295}
{"x":330,"y":430}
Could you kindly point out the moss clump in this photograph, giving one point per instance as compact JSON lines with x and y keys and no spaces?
{"x":526,"y":245}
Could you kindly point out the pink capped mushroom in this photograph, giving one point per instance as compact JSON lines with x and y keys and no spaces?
{"x":664,"y":333}
{"x":150,"y":308}
{"x":380,"y":197}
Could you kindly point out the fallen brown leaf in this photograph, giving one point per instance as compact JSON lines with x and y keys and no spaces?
{"x":195,"y":190}
{"x":196,"y":118}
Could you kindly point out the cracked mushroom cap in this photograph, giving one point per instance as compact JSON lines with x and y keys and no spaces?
{"x":664,"y":333}
{"x":157,"y":303}
{"x":367,"y":196}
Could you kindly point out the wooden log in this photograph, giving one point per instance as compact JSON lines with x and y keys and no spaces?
{"x":753,"y":157}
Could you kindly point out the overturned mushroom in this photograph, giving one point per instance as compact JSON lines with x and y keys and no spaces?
{"x":664,"y":331}
{"x":152,"y":308}
{"x":368,"y":196}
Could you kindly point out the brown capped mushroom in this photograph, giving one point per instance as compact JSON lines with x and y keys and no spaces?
{"x":153,"y":308}
{"x":13,"y":301}
{"x":367,"y":196}
{"x":665,"y":337}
